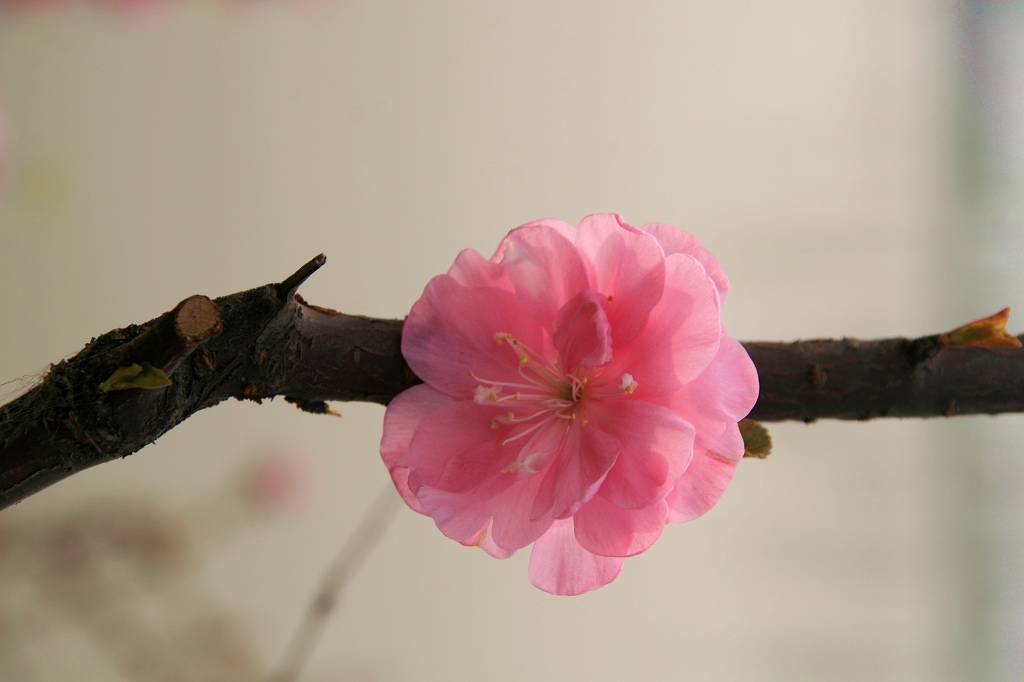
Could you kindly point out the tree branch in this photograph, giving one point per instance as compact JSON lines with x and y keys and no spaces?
{"x":268,"y":342}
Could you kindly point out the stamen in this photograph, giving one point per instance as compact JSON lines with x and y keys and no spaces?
{"x":529,"y":430}
{"x":577,"y":386}
{"x":506,"y":384}
{"x":518,"y":467}
{"x":524,"y":462}
{"x":483,"y":394}
{"x":527,"y":357}
{"x":545,"y":394}
{"x":539,"y":413}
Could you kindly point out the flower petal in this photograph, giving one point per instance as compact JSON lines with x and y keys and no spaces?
{"x":470,"y":269}
{"x":403,"y":416}
{"x":451,"y":330}
{"x":497,"y":509}
{"x":559,"y":565}
{"x":560,"y":226}
{"x":724,"y":392}
{"x":458,"y":472}
{"x":714,"y":402}
{"x":626,"y":266}
{"x":704,"y":481}
{"x":673,"y":240}
{"x":545,"y":268}
{"x":512,"y":526}
{"x":582,"y":333}
{"x":575,"y":472}
{"x":605,"y":529}
{"x":463,"y":518}
{"x":456,"y":449}
{"x":682,"y":334}
{"x":657,"y":445}
{"x":486,"y":543}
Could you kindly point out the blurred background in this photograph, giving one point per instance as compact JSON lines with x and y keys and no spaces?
{"x":857,"y":167}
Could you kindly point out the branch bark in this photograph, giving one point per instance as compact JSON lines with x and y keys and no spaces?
{"x":269,"y":342}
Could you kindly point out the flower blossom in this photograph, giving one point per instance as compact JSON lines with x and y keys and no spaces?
{"x":579,"y":394}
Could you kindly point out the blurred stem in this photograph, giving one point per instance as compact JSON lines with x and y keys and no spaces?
{"x":268,"y":342}
{"x":353,"y":554}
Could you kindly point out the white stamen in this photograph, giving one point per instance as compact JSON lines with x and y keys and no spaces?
{"x":485,"y":394}
{"x":530,"y":430}
{"x":547,"y":396}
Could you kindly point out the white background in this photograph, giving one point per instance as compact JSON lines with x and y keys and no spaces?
{"x":835,"y":156}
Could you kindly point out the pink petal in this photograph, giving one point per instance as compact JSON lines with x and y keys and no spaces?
{"x":512,"y":526}
{"x":456,"y":449}
{"x":714,"y":402}
{"x":605,"y":529}
{"x":575,"y":472}
{"x":486,"y":543}
{"x":545,"y":268}
{"x":673,"y":240}
{"x":582,"y":334}
{"x":402,"y":418}
{"x":497,"y":509}
{"x":682,"y":334}
{"x":463,"y":518}
{"x":725,"y":392}
{"x":458,"y":472}
{"x":657,"y":445}
{"x":450,"y":332}
{"x":626,"y":266}
{"x":704,"y":481}
{"x":559,"y":565}
{"x":470,"y":269}
{"x":560,"y":226}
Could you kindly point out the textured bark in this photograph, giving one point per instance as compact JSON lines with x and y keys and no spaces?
{"x":851,"y":379}
{"x":268,"y":342}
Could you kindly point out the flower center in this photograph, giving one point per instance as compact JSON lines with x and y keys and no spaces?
{"x":543,"y":405}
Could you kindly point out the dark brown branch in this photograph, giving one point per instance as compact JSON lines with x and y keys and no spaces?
{"x":850,"y":379}
{"x":268,"y":342}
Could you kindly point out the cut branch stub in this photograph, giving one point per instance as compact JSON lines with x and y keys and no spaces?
{"x":196,"y":319}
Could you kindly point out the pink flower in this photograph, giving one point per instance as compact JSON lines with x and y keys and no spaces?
{"x":281,"y":481}
{"x":579,"y":393}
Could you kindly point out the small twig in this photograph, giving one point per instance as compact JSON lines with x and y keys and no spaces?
{"x":340,"y":572}
{"x":287,"y":288}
